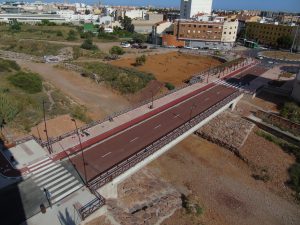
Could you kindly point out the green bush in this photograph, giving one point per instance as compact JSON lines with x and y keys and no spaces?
{"x":140,"y":60}
{"x":169,"y":86}
{"x":122,"y":79}
{"x":8,"y":65}
{"x":88,"y":45}
{"x":59,"y":33}
{"x":80,"y":113}
{"x":291,"y":111}
{"x":294,"y":172}
{"x":72,"y":35}
{"x":116,"y":50}
{"x":139,"y":38}
{"x":8,"y":108}
{"x":29,"y":82}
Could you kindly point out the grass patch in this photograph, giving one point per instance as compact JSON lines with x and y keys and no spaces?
{"x":8,"y":65}
{"x":37,"y":48}
{"x":21,"y":105}
{"x":79,"y":112}
{"x":294,"y":170}
{"x":29,"y":82}
{"x":121,"y":79}
{"x":291,"y":111}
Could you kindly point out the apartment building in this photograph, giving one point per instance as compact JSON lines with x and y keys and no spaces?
{"x":190,"y":8}
{"x":206,"y":34}
{"x":268,"y":33}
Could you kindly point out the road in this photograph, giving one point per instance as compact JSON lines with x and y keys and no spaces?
{"x":117,"y":148}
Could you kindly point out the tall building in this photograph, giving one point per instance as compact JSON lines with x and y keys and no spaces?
{"x":190,"y":8}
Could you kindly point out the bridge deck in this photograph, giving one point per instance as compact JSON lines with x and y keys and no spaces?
{"x":111,"y":151}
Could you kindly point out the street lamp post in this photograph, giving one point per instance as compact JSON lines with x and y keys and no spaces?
{"x":82,"y":155}
{"x":46,"y":130}
{"x":152,"y":100}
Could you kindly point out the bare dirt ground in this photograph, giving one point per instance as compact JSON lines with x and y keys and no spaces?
{"x":266,"y":158}
{"x":223,"y":185}
{"x":97,"y":98}
{"x":56,"y":127}
{"x":172,"y":67}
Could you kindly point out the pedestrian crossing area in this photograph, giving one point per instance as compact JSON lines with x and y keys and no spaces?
{"x":240,"y":87}
{"x":54,"y":179}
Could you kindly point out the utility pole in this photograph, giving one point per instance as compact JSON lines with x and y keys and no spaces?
{"x":82,"y":155}
{"x":46,"y":130}
{"x":294,"y":39}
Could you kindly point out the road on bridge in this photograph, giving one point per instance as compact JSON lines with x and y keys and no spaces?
{"x":107,"y":153}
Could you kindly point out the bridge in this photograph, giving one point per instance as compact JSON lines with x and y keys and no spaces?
{"x":106,"y":152}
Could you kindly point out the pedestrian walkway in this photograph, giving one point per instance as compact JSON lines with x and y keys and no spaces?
{"x":54,"y":179}
{"x":238,"y":86}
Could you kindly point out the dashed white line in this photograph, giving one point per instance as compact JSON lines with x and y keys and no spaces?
{"x":134,"y":139}
{"x":159,"y":125}
{"x":106,"y":154}
{"x":176,"y":116}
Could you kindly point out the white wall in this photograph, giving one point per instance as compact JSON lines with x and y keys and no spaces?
{"x":229,"y":31}
{"x":189,"y":8}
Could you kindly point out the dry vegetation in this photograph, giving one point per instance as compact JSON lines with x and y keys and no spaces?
{"x":171,"y":67}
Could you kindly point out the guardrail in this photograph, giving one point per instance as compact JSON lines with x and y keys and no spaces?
{"x":92,"y":206}
{"x":125,"y":165}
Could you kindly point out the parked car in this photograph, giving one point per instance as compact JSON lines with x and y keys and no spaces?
{"x":143,"y":46}
{"x":260,"y":57}
{"x":135,"y":45}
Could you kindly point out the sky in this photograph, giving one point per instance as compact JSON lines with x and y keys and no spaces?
{"x":274,"y":5}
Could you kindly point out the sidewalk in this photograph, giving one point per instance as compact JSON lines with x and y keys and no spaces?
{"x":69,"y":145}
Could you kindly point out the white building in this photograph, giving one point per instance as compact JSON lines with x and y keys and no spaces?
{"x":191,"y":8}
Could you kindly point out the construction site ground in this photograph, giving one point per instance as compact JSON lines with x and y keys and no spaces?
{"x":173,"y":67}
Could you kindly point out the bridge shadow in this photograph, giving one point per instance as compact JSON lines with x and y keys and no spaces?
{"x":20,"y":199}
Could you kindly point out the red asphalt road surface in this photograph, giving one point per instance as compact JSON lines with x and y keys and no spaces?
{"x":121,"y":146}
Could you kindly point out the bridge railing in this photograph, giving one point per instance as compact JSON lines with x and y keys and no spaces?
{"x":92,"y":206}
{"x":125,"y":165}
{"x":197,"y":78}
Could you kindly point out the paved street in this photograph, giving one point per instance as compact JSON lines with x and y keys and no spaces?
{"x":117,"y":148}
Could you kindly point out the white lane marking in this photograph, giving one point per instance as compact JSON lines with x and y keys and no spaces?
{"x":218,"y":93}
{"x":106,"y":154}
{"x":206,"y":99}
{"x":65,"y":194}
{"x":176,"y":116}
{"x":134,"y":139}
{"x":159,"y":125}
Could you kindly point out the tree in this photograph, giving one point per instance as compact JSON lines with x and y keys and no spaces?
{"x":15,"y":26}
{"x":88,"y":45}
{"x":141,"y":60}
{"x":126,"y":23}
{"x":285,"y":41}
{"x":139,"y":38}
{"x":71,"y":36}
{"x":116,"y":50}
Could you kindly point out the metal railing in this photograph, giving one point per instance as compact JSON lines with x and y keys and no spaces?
{"x":123,"y":166}
{"x":92,"y":206}
{"x":197,"y":78}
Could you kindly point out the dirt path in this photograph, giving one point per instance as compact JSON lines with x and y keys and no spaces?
{"x":223,"y":185}
{"x":99,"y":100}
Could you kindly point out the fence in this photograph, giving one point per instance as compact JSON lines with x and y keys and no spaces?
{"x":92,"y":206}
{"x":197,"y":78}
{"x":120,"y":168}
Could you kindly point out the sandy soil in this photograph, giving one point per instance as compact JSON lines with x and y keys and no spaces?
{"x":223,"y":185}
{"x":96,"y":98}
{"x":56,"y":127}
{"x":172,"y":67}
{"x":264,"y":155}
